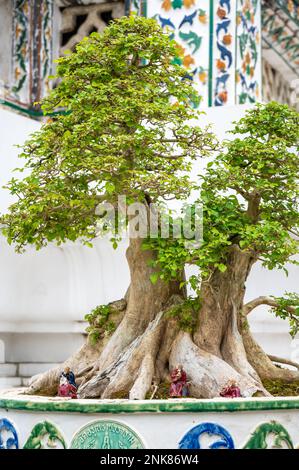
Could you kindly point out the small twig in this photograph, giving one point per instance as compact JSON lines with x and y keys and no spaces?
{"x":154,"y":392}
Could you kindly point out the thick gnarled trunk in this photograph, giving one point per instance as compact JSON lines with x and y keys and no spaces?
{"x":145,"y":300}
{"x":101,"y":363}
{"x":217,"y":353}
{"x":148,"y":343}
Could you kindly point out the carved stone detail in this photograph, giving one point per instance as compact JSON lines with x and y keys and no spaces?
{"x":93,"y":21}
{"x":276,"y":88}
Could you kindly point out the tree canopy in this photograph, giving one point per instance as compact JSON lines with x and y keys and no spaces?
{"x":249,"y":193}
{"x":125,"y":130}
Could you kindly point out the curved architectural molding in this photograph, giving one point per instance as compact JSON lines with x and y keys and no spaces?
{"x":8,"y":435}
{"x":31,"y":403}
{"x":45,"y":435}
{"x":271,"y":435}
{"x":196,"y":438}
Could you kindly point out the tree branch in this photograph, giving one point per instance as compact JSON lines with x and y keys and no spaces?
{"x":282,"y":360}
{"x":263,"y":300}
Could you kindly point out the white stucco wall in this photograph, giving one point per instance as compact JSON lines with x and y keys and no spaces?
{"x":50,"y":291}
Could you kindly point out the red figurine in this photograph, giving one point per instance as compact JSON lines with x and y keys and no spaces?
{"x":231,"y":390}
{"x":67,"y":385}
{"x":179,"y":386}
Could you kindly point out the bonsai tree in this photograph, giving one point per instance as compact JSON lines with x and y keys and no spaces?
{"x":250,"y":195}
{"x":125,"y":131}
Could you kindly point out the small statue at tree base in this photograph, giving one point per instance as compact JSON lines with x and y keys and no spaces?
{"x":67,"y":384}
{"x":179,"y":386}
{"x":231,"y":390}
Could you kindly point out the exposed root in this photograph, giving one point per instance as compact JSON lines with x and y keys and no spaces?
{"x":208,"y":373}
{"x":170,"y":334}
{"x":81,"y":362}
{"x":128,"y":371}
{"x":282,"y":360}
{"x":263,"y":364}
{"x":135,"y":368}
{"x":47,"y":383}
{"x":144,"y":378}
{"x":233,"y":351}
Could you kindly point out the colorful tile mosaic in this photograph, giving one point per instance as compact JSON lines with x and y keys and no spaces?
{"x":8,"y":435}
{"x":32,"y":49}
{"x":113,"y":434}
{"x":207,"y":436}
{"x":270,"y":435}
{"x":280,"y":25}
{"x":248,"y":55}
{"x":223,"y":64}
{"x":21,"y":53}
{"x":188,"y":23}
{"x":104,"y":434}
{"x":45,"y":435}
{"x":218,"y":43}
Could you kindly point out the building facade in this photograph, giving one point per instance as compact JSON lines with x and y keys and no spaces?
{"x":236,"y":51}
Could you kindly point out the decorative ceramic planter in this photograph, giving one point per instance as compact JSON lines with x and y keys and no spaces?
{"x":39,"y":422}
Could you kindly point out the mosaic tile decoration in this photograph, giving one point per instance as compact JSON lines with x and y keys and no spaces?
{"x":248,"y":56}
{"x":21,"y":56}
{"x":271,"y":435}
{"x":219,"y":44}
{"x":224,"y":52}
{"x":280,"y":26}
{"x":188,"y":22}
{"x":32,"y":49}
{"x":207,"y":436}
{"x":106,"y":434}
{"x":45,"y":435}
{"x":8,"y":435}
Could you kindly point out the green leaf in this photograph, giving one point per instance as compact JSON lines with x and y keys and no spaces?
{"x":154,"y":278}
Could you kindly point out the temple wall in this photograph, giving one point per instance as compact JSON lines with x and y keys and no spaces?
{"x":220,"y":44}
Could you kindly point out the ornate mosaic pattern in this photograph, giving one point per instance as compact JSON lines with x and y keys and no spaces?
{"x":188,"y":23}
{"x":207,"y":436}
{"x":112,"y":434}
{"x":280,"y":24}
{"x":276,"y":87}
{"x":224,"y":47}
{"x":219,"y":43}
{"x":93,"y":18}
{"x":46,"y":38}
{"x":32,"y":49}
{"x":21,"y":56}
{"x":45,"y":435}
{"x":106,"y":434}
{"x":270,"y":435}
{"x":8,"y":435}
{"x":248,"y":59}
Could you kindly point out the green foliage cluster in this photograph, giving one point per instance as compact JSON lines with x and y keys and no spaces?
{"x":288,"y":309}
{"x":99,"y":323}
{"x":129,"y":129}
{"x":185,"y":314}
{"x":126,"y":130}
{"x":249,"y":194}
